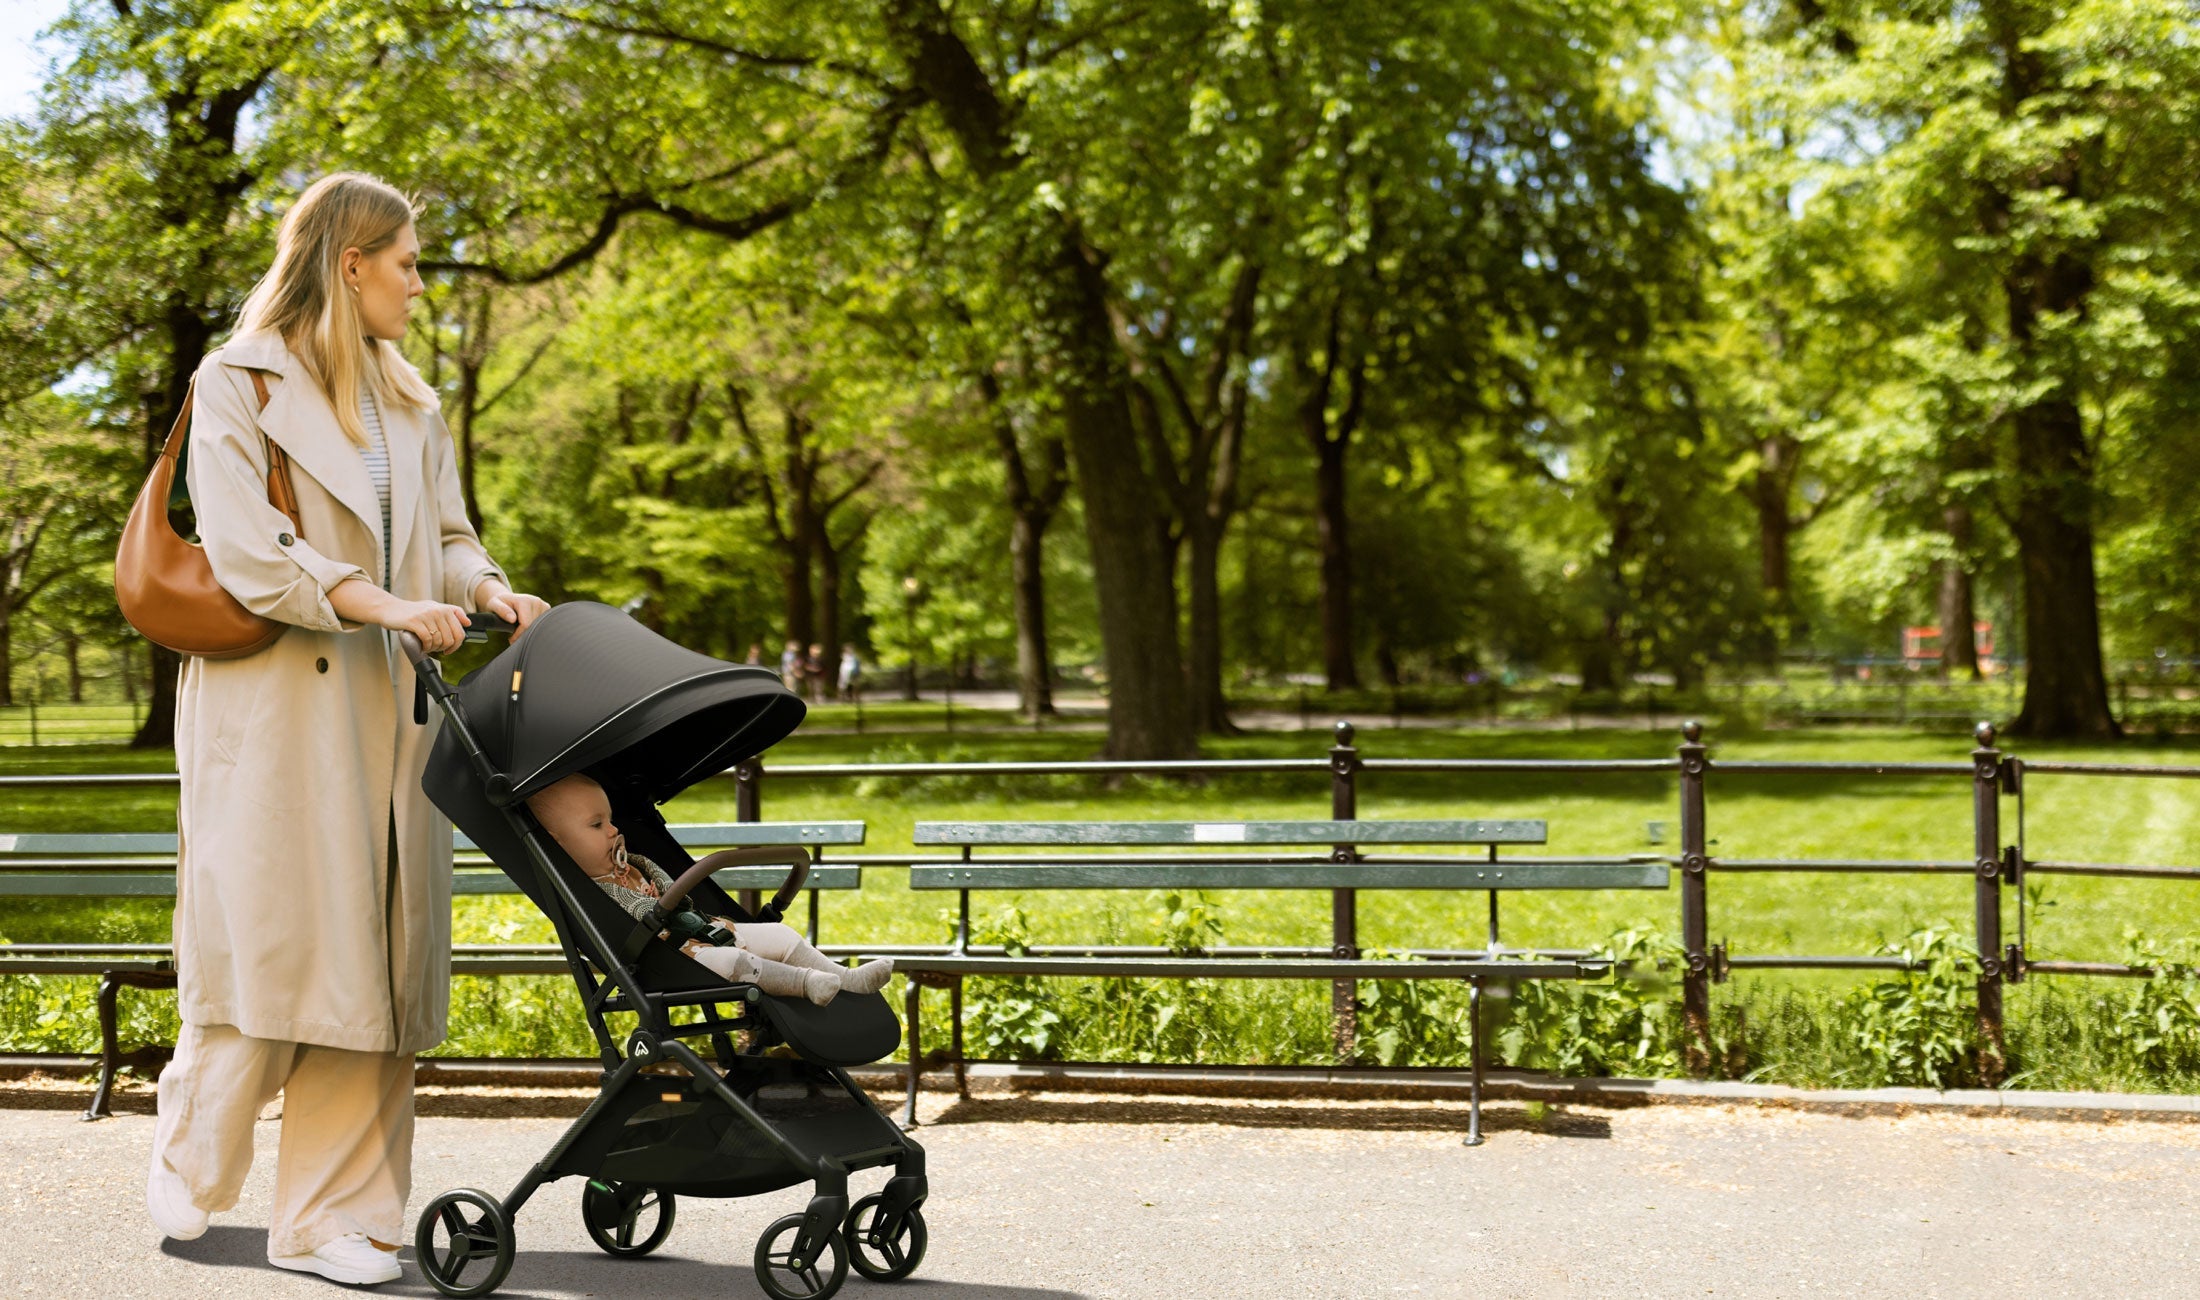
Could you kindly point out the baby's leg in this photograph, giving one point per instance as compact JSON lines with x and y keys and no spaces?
{"x":776,"y":978}
{"x":775,"y":942}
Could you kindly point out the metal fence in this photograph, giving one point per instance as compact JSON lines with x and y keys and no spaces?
{"x":1992,"y":777}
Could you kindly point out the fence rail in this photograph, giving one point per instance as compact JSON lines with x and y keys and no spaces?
{"x":1991,"y":777}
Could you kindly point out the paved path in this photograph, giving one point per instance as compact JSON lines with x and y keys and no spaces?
{"x":1046,"y":1198}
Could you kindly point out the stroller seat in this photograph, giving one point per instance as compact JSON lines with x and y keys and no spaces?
{"x":854,"y":1029}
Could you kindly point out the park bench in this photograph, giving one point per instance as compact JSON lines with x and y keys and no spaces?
{"x":1330,"y":855}
{"x":143,"y":865}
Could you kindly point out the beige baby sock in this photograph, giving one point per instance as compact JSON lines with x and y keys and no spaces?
{"x":870,"y":977}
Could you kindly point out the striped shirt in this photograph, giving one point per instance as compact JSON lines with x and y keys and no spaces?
{"x":377,"y":455}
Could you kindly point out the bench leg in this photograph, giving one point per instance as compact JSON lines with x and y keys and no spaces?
{"x":955,"y":999}
{"x":911,"y":1001}
{"x":1474,"y":1057}
{"x":110,"y":1049}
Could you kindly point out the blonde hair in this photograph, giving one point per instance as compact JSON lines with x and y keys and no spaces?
{"x":299,"y":299}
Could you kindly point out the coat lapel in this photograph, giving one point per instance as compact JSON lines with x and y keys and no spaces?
{"x":300,"y":420}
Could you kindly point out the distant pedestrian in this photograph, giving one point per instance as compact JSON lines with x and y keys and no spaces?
{"x":850,"y":667}
{"x":756,"y":654}
{"x":790,"y":667}
{"x":814,"y":668}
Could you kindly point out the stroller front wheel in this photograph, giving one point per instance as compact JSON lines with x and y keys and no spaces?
{"x":783,"y":1278}
{"x":898,"y":1256}
{"x":614,"y":1214}
{"x":464,"y":1233}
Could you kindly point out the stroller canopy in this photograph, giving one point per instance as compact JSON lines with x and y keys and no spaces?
{"x":587,"y":683}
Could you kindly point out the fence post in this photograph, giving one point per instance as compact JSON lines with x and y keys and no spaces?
{"x":748,"y":806}
{"x":1695,"y":926}
{"x":1986,"y":845}
{"x":1344,"y":920}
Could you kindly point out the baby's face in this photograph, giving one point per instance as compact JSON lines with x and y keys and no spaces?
{"x":577,"y":814}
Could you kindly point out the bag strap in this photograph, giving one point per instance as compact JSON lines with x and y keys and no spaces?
{"x":280,"y":493}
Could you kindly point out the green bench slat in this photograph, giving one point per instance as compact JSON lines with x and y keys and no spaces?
{"x":120,"y":884}
{"x":1309,"y":875}
{"x":88,"y":884}
{"x":713,"y":834}
{"x":1250,"y":968}
{"x":1291,"y":832}
{"x":40,"y":844}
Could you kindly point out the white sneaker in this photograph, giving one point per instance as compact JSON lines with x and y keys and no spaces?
{"x":350,"y":1259}
{"x":168,"y":1201}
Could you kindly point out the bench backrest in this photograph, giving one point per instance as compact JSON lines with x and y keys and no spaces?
{"x":1098,"y":834}
{"x":1210,"y":869}
{"x":132,"y":864}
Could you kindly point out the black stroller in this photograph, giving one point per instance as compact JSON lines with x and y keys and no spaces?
{"x":590,"y":690}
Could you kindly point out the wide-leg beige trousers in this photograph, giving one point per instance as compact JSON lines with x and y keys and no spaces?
{"x":344,"y":1159}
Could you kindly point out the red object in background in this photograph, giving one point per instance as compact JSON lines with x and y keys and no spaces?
{"x":1923,"y":643}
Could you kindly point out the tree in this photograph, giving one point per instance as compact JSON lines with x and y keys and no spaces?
{"x":2030,"y":144}
{"x":141,"y":143}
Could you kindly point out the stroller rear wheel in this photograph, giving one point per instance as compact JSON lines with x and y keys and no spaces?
{"x":898,"y":1256}
{"x":784,"y":1279}
{"x":464,"y":1243}
{"x":616,"y":1212}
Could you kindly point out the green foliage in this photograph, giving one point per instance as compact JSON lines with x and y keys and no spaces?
{"x":1920,"y":1027}
{"x":1627,"y":1025}
{"x":2159,"y":1027}
{"x":1008,"y":1016}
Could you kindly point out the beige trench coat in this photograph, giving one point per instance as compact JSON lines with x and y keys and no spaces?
{"x":290,"y":922}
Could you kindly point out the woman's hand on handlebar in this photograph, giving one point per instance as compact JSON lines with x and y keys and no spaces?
{"x":441,"y":628}
{"x":514,"y":607}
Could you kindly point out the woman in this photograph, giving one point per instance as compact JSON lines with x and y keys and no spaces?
{"x":313,"y":907}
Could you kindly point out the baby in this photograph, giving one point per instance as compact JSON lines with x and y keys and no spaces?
{"x":771,"y":956}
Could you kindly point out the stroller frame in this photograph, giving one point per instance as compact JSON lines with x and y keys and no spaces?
{"x":476,"y":1228}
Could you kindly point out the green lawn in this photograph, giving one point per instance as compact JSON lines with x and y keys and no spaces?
{"x":2092,"y":819}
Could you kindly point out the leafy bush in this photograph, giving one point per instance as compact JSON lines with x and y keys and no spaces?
{"x":1629,"y":1024}
{"x":1919,"y":1027}
{"x":2159,"y":1025}
{"x":1009,"y":1017}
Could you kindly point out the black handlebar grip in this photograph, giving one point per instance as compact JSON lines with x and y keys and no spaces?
{"x":479,"y":627}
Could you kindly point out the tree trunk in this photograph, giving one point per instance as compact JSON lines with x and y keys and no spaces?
{"x":828,"y":614}
{"x":1146,"y":713}
{"x":1034,"y":663}
{"x":1209,"y":706}
{"x":2065,"y":687}
{"x":1958,"y":607}
{"x":469,"y":398}
{"x":189,"y":334}
{"x":1775,"y":526}
{"x":72,"y":647}
{"x":7,"y":655}
{"x":1336,"y":547}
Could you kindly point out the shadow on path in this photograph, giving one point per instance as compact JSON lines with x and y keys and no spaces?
{"x":1557,"y":1122}
{"x":586,"y":1273}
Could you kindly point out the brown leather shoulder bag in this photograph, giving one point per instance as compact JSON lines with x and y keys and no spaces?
{"x":163,"y":582}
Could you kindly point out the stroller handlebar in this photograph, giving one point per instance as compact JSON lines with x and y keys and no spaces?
{"x":479,"y":627}
{"x":794,"y":856}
